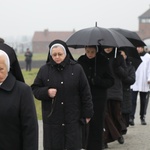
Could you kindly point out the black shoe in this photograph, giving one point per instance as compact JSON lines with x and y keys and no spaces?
{"x":131,"y":122}
{"x":143,"y":122}
{"x":121,"y":140}
{"x":124,"y":132}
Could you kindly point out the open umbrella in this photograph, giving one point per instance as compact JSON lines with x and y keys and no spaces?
{"x":97,"y":36}
{"x":132,"y":36}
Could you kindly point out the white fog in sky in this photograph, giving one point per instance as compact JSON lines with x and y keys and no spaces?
{"x":24,"y":17}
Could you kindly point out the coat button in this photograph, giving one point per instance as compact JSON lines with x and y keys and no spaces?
{"x":62,"y":103}
{"x":62,"y":82}
{"x":63,"y":124}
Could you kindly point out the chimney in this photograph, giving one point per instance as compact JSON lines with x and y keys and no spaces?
{"x":46,"y":32}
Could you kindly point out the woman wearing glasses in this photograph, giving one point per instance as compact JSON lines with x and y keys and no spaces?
{"x":63,"y":88}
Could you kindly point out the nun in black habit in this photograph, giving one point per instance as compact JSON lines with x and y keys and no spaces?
{"x":63,"y":89}
{"x":14,"y":64}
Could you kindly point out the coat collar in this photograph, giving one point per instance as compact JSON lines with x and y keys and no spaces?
{"x":9,"y":83}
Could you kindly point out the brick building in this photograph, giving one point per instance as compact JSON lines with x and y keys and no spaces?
{"x":144,"y":27}
{"x":42,"y":39}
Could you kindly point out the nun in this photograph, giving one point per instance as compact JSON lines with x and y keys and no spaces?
{"x":14,"y":63}
{"x":63,"y":89}
{"x":18,"y":125}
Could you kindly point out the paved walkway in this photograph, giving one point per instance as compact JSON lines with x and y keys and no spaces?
{"x":137,"y":138}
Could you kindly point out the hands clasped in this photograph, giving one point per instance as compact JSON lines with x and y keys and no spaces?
{"x":52,"y":92}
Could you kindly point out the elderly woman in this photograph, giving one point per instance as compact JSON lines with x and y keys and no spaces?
{"x":14,"y":63}
{"x":63,"y":88}
{"x":18,"y":120}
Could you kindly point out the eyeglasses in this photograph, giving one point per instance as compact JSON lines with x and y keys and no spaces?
{"x":57,"y":54}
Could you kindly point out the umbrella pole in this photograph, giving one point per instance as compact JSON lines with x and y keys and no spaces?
{"x":115,"y":52}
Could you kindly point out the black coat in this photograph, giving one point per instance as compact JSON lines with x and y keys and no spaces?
{"x":28,"y":56}
{"x":73,"y":101}
{"x":18,"y":120}
{"x":14,"y":64}
{"x":99,"y":75}
{"x":127,"y":82}
{"x":119,"y":71}
{"x":100,"y":79}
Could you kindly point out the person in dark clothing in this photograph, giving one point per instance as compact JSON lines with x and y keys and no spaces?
{"x":96,"y":68}
{"x":18,"y":119}
{"x":14,"y":63}
{"x":63,"y":89}
{"x":28,"y":59}
{"x":126,"y":105}
{"x":114,"y":123}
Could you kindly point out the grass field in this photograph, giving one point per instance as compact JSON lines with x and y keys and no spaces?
{"x":29,"y":78}
{"x":41,"y":56}
{"x":36,"y":56}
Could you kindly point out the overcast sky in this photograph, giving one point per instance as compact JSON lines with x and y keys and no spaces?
{"x":24,"y":17}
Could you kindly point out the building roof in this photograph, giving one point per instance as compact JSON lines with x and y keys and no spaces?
{"x":48,"y":36}
{"x":145,"y":14}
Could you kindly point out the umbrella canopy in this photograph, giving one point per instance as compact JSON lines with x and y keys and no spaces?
{"x":97,"y":36}
{"x":132,"y":36}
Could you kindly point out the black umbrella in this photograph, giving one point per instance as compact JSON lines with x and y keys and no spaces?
{"x":97,"y":36}
{"x":132,"y":36}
